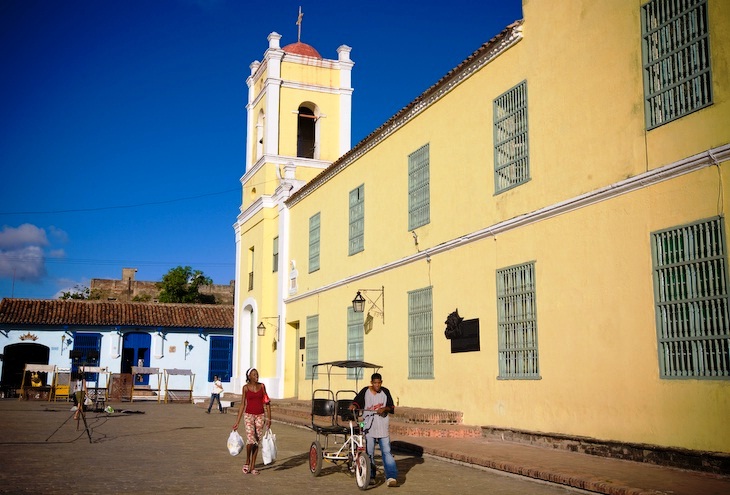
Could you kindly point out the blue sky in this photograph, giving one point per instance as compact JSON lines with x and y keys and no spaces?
{"x":123,"y":122}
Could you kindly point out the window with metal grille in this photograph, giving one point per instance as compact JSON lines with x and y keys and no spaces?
{"x":314,"y":243}
{"x":357,"y":220}
{"x":517,"y":322}
{"x":312,"y":344}
{"x":419,"y":183}
{"x":275,"y":260}
{"x":220,"y":360}
{"x":355,"y":341}
{"x":89,"y":347}
{"x":511,"y":156}
{"x":691,"y":298}
{"x":420,"y":333}
{"x":676,"y":52}
{"x":250,"y":272}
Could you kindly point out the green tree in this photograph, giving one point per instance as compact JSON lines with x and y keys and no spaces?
{"x":78,"y":292}
{"x":182,"y":284}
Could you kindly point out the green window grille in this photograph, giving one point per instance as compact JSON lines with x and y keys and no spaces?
{"x":419,"y":195}
{"x":275,"y":260}
{"x":312,"y":345}
{"x":676,"y":52}
{"x":251,"y":265}
{"x":511,"y":156}
{"x":220,"y":359}
{"x":420,"y":334}
{"x":314,"y":243}
{"x":517,"y":322}
{"x":355,"y":341}
{"x":357,"y":220}
{"x":691,"y":298}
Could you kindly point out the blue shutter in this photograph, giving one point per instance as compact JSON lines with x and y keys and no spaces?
{"x":220,"y":360}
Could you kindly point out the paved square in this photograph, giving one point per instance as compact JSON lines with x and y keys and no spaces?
{"x":176,"y":448}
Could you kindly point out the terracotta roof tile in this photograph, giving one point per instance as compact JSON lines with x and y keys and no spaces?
{"x":106,"y":313}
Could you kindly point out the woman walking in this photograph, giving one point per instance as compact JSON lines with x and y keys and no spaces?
{"x":255,"y":400}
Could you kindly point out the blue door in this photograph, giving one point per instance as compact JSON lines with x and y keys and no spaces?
{"x":136,"y":352}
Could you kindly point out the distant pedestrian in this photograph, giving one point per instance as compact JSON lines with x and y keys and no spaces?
{"x":376,"y":403}
{"x":215,"y":395}
{"x":255,"y":401}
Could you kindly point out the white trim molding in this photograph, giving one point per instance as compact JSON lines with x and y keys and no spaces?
{"x":708,"y":158}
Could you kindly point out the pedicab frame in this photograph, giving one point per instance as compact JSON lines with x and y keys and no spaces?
{"x":332,"y":417}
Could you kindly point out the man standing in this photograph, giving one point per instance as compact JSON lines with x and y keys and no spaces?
{"x":215,"y":394}
{"x":376,"y":403}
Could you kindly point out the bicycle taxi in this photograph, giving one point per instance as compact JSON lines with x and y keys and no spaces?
{"x":339,"y":431}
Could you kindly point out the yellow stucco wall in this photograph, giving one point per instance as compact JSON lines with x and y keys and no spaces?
{"x":599,"y":374}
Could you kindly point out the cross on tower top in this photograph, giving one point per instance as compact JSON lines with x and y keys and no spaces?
{"x":299,"y":24}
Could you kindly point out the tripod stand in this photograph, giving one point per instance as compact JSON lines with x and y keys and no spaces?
{"x":79,"y":415}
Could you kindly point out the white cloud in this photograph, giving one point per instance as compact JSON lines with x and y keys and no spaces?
{"x":26,"y":235}
{"x":24,"y":263}
{"x":25,"y":249}
{"x":57,"y":253}
{"x":58,"y":234}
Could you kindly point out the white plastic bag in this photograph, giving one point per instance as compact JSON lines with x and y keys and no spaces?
{"x":235,"y":443}
{"x":268,"y":447}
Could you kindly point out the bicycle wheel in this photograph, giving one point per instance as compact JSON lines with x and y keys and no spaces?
{"x":315,"y":458}
{"x":362,"y":470}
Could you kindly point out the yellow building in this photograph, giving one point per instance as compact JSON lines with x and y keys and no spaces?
{"x":564,"y":188}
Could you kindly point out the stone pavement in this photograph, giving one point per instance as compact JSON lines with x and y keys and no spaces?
{"x":165,"y":449}
{"x":176,"y":448}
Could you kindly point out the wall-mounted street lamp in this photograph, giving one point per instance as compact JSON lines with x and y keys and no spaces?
{"x":377,"y":306}
{"x":261,"y":328}
{"x":188,"y":347}
{"x":65,"y":342}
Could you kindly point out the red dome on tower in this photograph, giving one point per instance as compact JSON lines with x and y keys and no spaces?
{"x":300,"y":48}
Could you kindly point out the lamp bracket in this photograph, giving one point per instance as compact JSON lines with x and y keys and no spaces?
{"x":278,"y":324}
{"x":377,"y":305}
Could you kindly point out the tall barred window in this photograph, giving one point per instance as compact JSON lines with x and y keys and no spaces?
{"x":312,"y":346}
{"x":676,"y":52}
{"x":357,"y":220}
{"x":88,"y":348}
{"x":355,"y":342}
{"x":691,"y":298}
{"x":314,"y":243}
{"x":517,"y":322}
{"x":420,"y":334}
{"x":511,"y":157}
{"x":419,"y":188}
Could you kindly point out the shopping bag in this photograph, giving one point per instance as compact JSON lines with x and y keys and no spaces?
{"x":268,"y":447}
{"x":235,"y":443}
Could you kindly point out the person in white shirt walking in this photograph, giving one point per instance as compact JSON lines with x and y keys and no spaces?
{"x":215,"y":395}
{"x":376,"y":403}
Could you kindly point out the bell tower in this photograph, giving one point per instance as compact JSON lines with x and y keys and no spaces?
{"x":299,"y":108}
{"x":298,"y":123}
